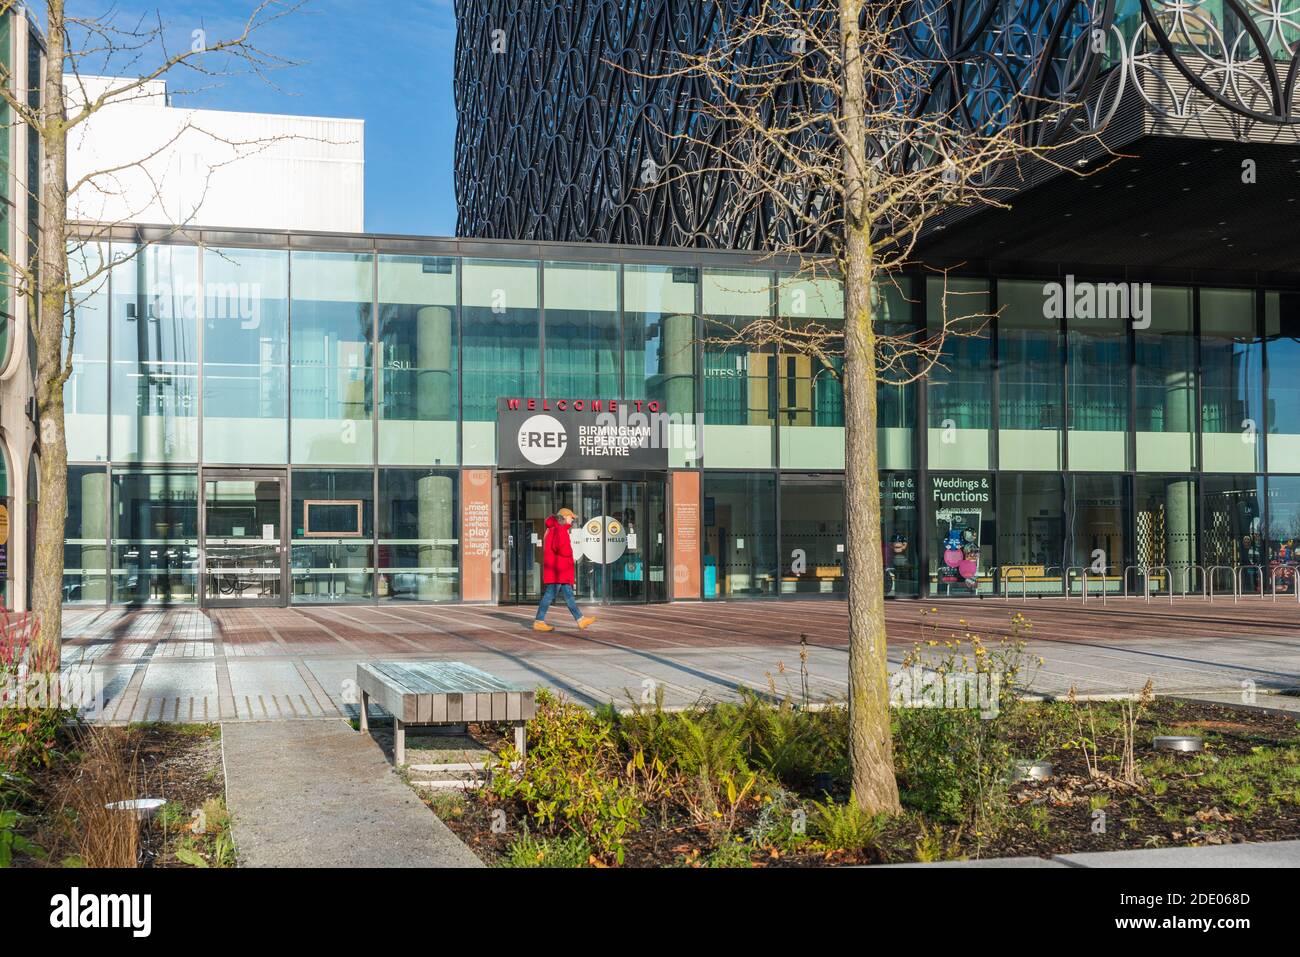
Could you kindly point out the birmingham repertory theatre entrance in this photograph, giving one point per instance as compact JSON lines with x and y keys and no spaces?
{"x":619,"y":541}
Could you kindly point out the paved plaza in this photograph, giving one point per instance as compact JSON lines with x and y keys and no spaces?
{"x":264,"y":664}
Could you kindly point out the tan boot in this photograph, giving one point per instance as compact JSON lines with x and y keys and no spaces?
{"x":586,"y":622}
{"x":542,"y":626}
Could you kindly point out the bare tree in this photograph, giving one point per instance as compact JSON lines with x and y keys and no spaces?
{"x":48,"y":289}
{"x":837,"y":136}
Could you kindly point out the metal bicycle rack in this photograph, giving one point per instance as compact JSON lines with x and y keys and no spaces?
{"x":1232,"y":574}
{"x":1241,"y":584}
{"x":1102,"y":576}
{"x":1295,"y":579}
{"x":1187,"y":581}
{"x":1140,"y":571}
{"x":1005,"y":578}
{"x":1169,"y":581}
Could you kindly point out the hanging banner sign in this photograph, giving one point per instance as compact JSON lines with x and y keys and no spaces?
{"x":614,"y":434}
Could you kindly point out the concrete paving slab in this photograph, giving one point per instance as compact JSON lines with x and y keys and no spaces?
{"x":318,"y":794}
{"x":1016,"y":862}
{"x":1276,"y":854}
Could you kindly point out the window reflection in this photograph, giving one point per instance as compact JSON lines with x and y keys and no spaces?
{"x":155,"y":354}
{"x":418,"y":360}
{"x":330,"y":324}
{"x":245,"y":355}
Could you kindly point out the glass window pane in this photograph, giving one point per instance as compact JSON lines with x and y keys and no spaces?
{"x":659,"y":348}
{"x":1031,"y":534}
{"x":740,"y":396}
{"x":898,"y":533}
{"x":810,"y":400}
{"x":331,"y":325}
{"x":1283,"y":532}
{"x":418,"y":356}
{"x":419,"y":547}
{"x":85,"y":546}
{"x":1097,"y":524}
{"x":960,"y":386}
{"x":1234,"y":532}
{"x":500,"y":347}
{"x":155,"y":537}
{"x":1282,"y":333}
{"x":1232,"y":366}
{"x":895,"y":396}
{"x":1099,"y":394}
{"x":582,"y":335}
{"x":331,"y":557}
{"x":85,"y":394}
{"x":1166,"y":519}
{"x":1165,"y":363}
{"x":739,"y":535}
{"x":245,"y":356}
{"x":812,"y":537}
{"x":962,"y":535}
{"x":155,"y":354}
{"x":1031,"y":382}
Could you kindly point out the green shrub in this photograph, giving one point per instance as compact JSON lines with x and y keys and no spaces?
{"x":845,"y":827}
{"x":953,"y":763}
{"x":571,"y":778}
{"x":528,"y":851}
{"x":12,"y":842}
{"x":731,"y":852}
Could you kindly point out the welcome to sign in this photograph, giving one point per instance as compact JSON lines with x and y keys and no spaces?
{"x":615,"y":434}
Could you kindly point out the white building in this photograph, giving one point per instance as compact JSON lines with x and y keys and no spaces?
{"x":161,"y":164}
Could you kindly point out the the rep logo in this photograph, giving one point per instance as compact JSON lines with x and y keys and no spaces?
{"x":542,"y":439}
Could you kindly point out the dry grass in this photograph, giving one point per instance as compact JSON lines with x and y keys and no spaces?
{"x":109,"y":771}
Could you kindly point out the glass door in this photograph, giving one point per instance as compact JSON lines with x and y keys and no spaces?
{"x":526,"y":506}
{"x":625,"y":542}
{"x":619,"y":547}
{"x":243,"y":539}
{"x":587,"y":500}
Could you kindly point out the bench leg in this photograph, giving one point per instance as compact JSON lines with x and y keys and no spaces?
{"x":399,"y":742}
{"x":521,"y":740}
{"x":365,"y":709}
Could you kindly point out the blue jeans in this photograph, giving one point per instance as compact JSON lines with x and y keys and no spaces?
{"x":548,"y":596}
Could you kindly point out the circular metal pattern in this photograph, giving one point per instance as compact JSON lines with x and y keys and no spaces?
{"x":572,"y":118}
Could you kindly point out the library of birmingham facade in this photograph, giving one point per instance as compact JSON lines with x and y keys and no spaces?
{"x":303,"y":418}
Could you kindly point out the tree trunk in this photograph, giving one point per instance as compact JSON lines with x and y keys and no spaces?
{"x":871,"y":748}
{"x":52,"y":266}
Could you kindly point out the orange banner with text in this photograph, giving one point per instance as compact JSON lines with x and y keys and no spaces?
{"x":476,"y":534}
{"x":686,"y":535}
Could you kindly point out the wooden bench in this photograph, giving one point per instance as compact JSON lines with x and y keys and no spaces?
{"x":440,"y":693}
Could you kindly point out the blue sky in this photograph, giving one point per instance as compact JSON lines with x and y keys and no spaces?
{"x":388,"y":63}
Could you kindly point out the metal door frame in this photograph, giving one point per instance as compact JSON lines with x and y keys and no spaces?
{"x":510,"y":589}
{"x":280,"y":476}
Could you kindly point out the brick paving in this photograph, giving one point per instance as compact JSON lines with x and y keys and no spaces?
{"x":260,"y":664}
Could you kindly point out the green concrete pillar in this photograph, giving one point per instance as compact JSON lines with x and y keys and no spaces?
{"x":434,"y":382}
{"x":434,"y":514}
{"x":94,"y":526}
{"x":1180,"y":529}
{"x":1180,"y":401}
{"x":679,"y":362}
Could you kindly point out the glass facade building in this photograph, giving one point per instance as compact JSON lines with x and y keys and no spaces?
{"x":312,"y":418}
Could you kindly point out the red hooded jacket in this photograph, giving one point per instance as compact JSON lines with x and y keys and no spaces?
{"x":557,"y":554}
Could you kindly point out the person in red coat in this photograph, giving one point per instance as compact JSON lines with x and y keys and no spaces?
{"x":557,"y":570}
